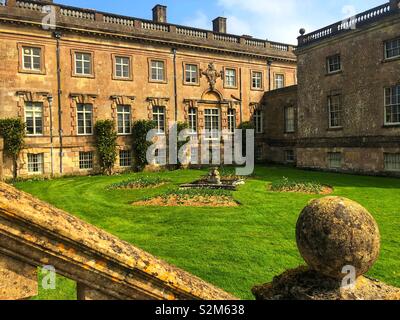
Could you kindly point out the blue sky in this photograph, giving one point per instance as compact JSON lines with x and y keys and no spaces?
{"x":277,"y":20}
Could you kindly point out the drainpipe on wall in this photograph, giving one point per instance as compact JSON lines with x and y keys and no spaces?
{"x":174,"y":51}
{"x":57,"y":35}
{"x":269,"y":64}
{"x":50,"y":99}
{"x":241,"y":96}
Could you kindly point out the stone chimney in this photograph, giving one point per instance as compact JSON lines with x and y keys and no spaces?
{"x":160,"y":14}
{"x":219,"y":25}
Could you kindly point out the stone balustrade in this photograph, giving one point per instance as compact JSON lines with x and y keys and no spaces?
{"x":87,"y":18}
{"x":34,"y":234}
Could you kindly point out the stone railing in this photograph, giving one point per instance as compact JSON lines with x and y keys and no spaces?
{"x":34,"y":234}
{"x":349,"y":24}
{"x":86,"y":17}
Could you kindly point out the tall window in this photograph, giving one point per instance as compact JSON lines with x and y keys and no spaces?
{"x":231,"y":120}
{"x":279,"y":81}
{"x":392,"y":48}
{"x":122,"y":67}
{"x":392,"y":161}
{"x":191,"y":74}
{"x":85,"y":119}
{"x":35,"y":163}
{"x":124,"y":119}
{"x":258,"y":121}
{"x":193,"y":120}
{"x":85,"y":160}
{"x":31,"y":57}
{"x":83,"y":63}
{"x":289,"y":119}
{"x":211,"y":119}
{"x":159,"y":118}
{"x":334,"y":160}
{"x":334,"y":63}
{"x":335,"y":111}
{"x":392,"y":105}
{"x":230,"y":78}
{"x":125,"y":158}
{"x":157,"y":70}
{"x":256,"y":80}
{"x":34,"y":118}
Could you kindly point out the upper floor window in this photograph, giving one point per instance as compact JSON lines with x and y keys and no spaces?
{"x":289,"y":119}
{"x":258,"y":121}
{"x":85,"y":119}
{"x":34,"y":118}
{"x":32,"y":58}
{"x":35,"y":162}
{"x":122,"y":67}
{"x":392,"y":105}
{"x":159,"y":118}
{"x":335,"y":111}
{"x":392,"y":49}
{"x":256,"y":80}
{"x":124,"y":119}
{"x":83,"y":64}
{"x":191,"y":74}
{"x":157,"y":70}
{"x":334,"y":63}
{"x":279,"y":81}
{"x":230,"y":78}
{"x":231,"y":120}
{"x":392,"y":161}
{"x":193,"y":120}
{"x":212,"y":123}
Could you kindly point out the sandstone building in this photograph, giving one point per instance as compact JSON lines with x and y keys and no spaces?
{"x":347,"y":101}
{"x":64,"y":68}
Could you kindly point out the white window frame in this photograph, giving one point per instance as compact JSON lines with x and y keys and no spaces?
{"x":231,"y":120}
{"x":279,"y":81}
{"x":87,"y":114}
{"x":159,"y":67}
{"x":335,"y":111}
{"x":230,"y":79}
{"x":124,"y":160}
{"x":212,"y":123}
{"x":392,"y":104}
{"x":159,"y":116}
{"x":290,"y":119}
{"x":35,"y":163}
{"x":82,"y":62}
{"x":31,"y":56}
{"x":36,"y":109}
{"x":257,"y":80}
{"x":395,"y":46}
{"x":192,"y":118}
{"x":124,"y":63}
{"x":392,"y":162}
{"x":258,"y":121}
{"x":335,"y":163}
{"x":126,"y":123}
{"x":191,"y":73}
{"x":334,"y":61}
{"x":86,"y":160}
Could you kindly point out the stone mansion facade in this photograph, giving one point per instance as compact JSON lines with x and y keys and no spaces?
{"x":332,"y":103}
{"x":96,"y":65}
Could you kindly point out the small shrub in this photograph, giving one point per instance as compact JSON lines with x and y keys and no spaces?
{"x":106,"y":144}
{"x":12,"y":130}
{"x":200,"y":192}
{"x":140,"y":129}
{"x":285,"y":185}
{"x":138,"y":183}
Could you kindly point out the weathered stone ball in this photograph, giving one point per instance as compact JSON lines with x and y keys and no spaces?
{"x":333,"y":233}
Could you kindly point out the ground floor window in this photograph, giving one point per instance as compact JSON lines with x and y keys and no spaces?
{"x":334,"y":160}
{"x":211,"y":119}
{"x":392,"y":161}
{"x":85,"y":160}
{"x":35,"y":163}
{"x":231,"y":120}
{"x":258,"y":121}
{"x":159,"y":118}
{"x":289,"y":156}
{"x":259,"y":153}
{"x":125,"y":158}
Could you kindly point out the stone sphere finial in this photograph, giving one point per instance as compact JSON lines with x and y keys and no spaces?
{"x":335,"y":232}
{"x":302,"y":31}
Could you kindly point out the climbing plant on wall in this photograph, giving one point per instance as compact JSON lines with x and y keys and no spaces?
{"x":140,"y":129}
{"x":106,"y":144}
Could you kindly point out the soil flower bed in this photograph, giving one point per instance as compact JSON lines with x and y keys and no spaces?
{"x":139,"y":183}
{"x":286,"y":185}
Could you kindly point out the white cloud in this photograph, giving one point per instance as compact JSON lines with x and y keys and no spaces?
{"x":260,"y":6}
{"x":200,"y":20}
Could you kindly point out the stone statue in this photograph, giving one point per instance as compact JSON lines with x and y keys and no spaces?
{"x":214,"y":177}
{"x":212,"y":75}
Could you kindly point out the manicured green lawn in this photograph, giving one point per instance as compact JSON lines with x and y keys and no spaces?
{"x":233,"y":248}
